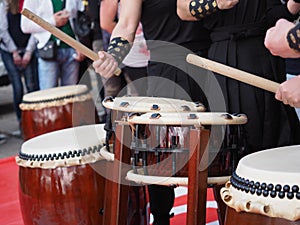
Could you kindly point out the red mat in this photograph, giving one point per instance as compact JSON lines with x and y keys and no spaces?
{"x":11,"y":213}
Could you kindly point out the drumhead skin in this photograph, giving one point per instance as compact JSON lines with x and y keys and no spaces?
{"x":66,"y":147}
{"x":183,"y":118}
{"x":55,"y":93}
{"x":267,"y":183}
{"x":151,"y":104}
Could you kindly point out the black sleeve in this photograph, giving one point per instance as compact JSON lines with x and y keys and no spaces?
{"x":293,"y":38}
{"x":276,"y":10}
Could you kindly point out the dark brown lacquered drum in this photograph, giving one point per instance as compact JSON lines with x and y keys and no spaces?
{"x":265,"y":189}
{"x":160,"y":143}
{"x":56,"y":108}
{"x":57,"y":184}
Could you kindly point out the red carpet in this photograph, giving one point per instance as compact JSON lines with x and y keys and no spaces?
{"x":11,"y":214}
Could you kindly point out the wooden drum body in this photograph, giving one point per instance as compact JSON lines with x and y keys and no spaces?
{"x":265,"y":188}
{"x":56,"y":108}
{"x":57,"y":185}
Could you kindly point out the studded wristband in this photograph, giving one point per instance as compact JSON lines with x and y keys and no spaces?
{"x":202,"y":8}
{"x":119,"y":47}
{"x":293,"y":38}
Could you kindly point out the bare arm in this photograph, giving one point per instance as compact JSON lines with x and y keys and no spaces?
{"x":108,"y":12}
{"x":129,"y":17}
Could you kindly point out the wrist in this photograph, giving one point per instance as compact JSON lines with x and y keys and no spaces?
{"x":200,"y":9}
{"x":119,"y":48}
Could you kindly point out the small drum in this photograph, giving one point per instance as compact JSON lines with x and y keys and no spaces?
{"x":57,"y":184}
{"x":160,"y":142}
{"x":264,"y":189}
{"x":56,"y":108}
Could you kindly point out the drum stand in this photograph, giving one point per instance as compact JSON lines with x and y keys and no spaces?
{"x":116,"y":202}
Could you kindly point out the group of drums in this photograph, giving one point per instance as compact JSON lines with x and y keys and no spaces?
{"x":59,"y":177}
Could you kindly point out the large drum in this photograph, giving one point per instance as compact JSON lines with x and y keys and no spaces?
{"x":57,"y":184}
{"x":56,"y":108}
{"x":160,"y":142}
{"x":264,"y":189}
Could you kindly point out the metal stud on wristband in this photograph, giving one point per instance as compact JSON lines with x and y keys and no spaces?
{"x":202,"y":8}
{"x":293,"y":38}
{"x":119,"y":47}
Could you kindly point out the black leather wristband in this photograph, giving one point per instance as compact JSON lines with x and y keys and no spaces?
{"x":119,"y":47}
{"x":202,"y":8}
{"x":293,"y":38}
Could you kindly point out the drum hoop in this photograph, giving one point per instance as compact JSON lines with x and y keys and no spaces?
{"x":59,"y":101}
{"x":126,"y":106}
{"x":142,"y":179}
{"x":65,"y":159}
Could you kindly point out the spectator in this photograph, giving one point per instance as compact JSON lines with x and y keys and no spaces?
{"x":17,"y":52}
{"x":65,"y":65}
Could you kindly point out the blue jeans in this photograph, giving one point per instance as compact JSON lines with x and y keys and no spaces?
{"x":64,"y":67}
{"x":15,"y":76}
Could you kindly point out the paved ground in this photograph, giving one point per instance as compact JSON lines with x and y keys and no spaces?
{"x":9,"y":124}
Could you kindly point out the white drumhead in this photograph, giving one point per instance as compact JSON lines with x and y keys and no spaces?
{"x":68,"y":141}
{"x":267,"y":183}
{"x":202,"y":118}
{"x":152,"y":104}
{"x":54,"y":93}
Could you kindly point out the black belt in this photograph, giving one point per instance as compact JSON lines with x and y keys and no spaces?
{"x":237,"y":32}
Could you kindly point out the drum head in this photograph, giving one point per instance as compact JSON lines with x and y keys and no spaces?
{"x":203,"y":118}
{"x":67,"y":147}
{"x":152,"y":104}
{"x":55,"y":93}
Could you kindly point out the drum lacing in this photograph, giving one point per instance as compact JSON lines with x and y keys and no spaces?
{"x":58,"y":156}
{"x":258,"y":188}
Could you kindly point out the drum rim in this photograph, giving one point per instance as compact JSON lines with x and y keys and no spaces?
{"x":193,"y":118}
{"x":154,"y":104}
{"x":84,"y":91}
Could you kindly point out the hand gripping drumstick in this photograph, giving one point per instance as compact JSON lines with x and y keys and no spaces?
{"x":64,"y":37}
{"x":233,"y":73}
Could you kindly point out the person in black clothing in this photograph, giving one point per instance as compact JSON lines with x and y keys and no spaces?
{"x":17,"y":52}
{"x":238,"y":40}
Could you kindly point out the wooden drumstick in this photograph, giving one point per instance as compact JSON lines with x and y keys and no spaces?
{"x":64,"y":37}
{"x":233,"y":73}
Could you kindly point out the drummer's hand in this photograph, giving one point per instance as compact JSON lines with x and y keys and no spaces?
{"x":226,"y":4}
{"x":289,"y":92}
{"x":276,"y":40}
{"x":106,"y":65}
